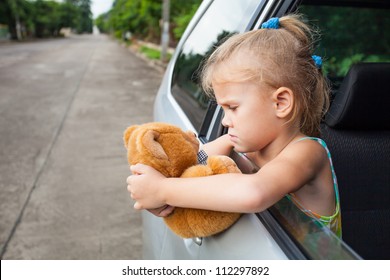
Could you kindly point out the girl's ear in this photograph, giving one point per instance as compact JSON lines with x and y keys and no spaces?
{"x":283,"y":99}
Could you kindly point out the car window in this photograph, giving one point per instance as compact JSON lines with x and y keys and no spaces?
{"x":349,"y":35}
{"x":345,"y":40}
{"x":222,"y":19}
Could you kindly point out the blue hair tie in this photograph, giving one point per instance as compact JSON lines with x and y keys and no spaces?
{"x":317,"y":61}
{"x":272,"y":23}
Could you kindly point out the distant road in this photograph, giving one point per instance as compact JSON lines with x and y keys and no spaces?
{"x":63,"y":107}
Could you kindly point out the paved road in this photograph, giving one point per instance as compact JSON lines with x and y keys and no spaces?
{"x":63,"y":107}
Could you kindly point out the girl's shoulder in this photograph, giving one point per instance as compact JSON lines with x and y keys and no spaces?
{"x":301,"y":151}
{"x":307,"y":143}
{"x":299,"y":165}
{"x":307,"y":151}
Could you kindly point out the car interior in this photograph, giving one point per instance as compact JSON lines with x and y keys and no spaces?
{"x":356,"y":130}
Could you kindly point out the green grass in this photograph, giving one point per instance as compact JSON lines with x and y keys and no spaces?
{"x":152,"y":53}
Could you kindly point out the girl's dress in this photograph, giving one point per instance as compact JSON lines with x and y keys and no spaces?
{"x":333,"y":222}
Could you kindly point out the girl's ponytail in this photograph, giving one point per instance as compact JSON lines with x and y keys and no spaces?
{"x":313,"y":89}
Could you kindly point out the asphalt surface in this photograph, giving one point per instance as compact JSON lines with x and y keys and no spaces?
{"x":64,"y":105}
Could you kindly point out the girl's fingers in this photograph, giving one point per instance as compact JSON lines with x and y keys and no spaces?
{"x":128,"y":180}
{"x":138,"y":168}
{"x":137,"y":206}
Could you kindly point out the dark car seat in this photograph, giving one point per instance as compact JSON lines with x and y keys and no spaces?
{"x":357,"y":131}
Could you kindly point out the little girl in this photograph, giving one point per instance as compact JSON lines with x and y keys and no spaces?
{"x":274,"y":95}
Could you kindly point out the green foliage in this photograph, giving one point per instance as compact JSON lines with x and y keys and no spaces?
{"x":69,"y":15}
{"x":118,"y":34}
{"x":142,"y":18}
{"x":45,"y":18}
{"x":101,"y":23}
{"x":150,"y":53}
{"x":85,"y":23}
{"x":182,"y":20}
{"x":13,"y":11}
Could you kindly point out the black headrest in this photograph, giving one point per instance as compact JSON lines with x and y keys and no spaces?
{"x":363,"y":100}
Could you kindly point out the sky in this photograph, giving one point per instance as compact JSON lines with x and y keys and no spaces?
{"x":100,"y":6}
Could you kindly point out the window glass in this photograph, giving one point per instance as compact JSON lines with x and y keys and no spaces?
{"x":314,"y":239}
{"x":223,"y":18}
{"x":349,"y":35}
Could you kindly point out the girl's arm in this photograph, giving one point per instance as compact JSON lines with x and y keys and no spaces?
{"x":220,"y":146}
{"x":226,"y":192}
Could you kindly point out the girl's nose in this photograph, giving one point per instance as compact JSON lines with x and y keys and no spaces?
{"x":226,"y":121}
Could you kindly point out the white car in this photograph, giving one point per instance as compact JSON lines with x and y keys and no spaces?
{"x":352,"y":32}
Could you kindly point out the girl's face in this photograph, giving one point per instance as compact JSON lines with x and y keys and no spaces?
{"x":249,"y":114}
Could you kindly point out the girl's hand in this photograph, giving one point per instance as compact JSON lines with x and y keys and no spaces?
{"x":144,"y":187}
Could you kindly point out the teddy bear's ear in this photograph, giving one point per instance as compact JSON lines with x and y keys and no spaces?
{"x":191,"y":137}
{"x":127,"y":134}
{"x":149,"y":141}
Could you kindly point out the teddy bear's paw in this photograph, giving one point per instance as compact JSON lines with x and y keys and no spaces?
{"x":197,"y":171}
{"x":191,"y":223}
{"x":177,"y":222}
{"x":222,"y":164}
{"x":204,"y":223}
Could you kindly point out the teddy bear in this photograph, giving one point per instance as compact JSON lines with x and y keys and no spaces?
{"x":173,"y":153}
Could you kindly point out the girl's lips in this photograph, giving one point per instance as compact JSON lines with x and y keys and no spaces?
{"x":233,"y":138}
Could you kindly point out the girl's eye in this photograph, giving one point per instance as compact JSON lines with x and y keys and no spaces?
{"x":232,"y":108}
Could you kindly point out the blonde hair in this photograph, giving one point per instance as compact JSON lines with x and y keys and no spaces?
{"x":277,"y":57}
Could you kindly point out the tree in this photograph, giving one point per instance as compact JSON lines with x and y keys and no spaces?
{"x":142,"y":18}
{"x":17,"y":15}
{"x":102,"y":22}
{"x":46,"y":20}
{"x":69,"y":15}
{"x":43,"y":18}
{"x":85,"y":22}
{"x":182,"y":12}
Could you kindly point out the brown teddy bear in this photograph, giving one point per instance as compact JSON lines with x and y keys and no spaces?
{"x":173,"y":153}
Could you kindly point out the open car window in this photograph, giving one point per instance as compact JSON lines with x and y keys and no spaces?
{"x":349,"y":35}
